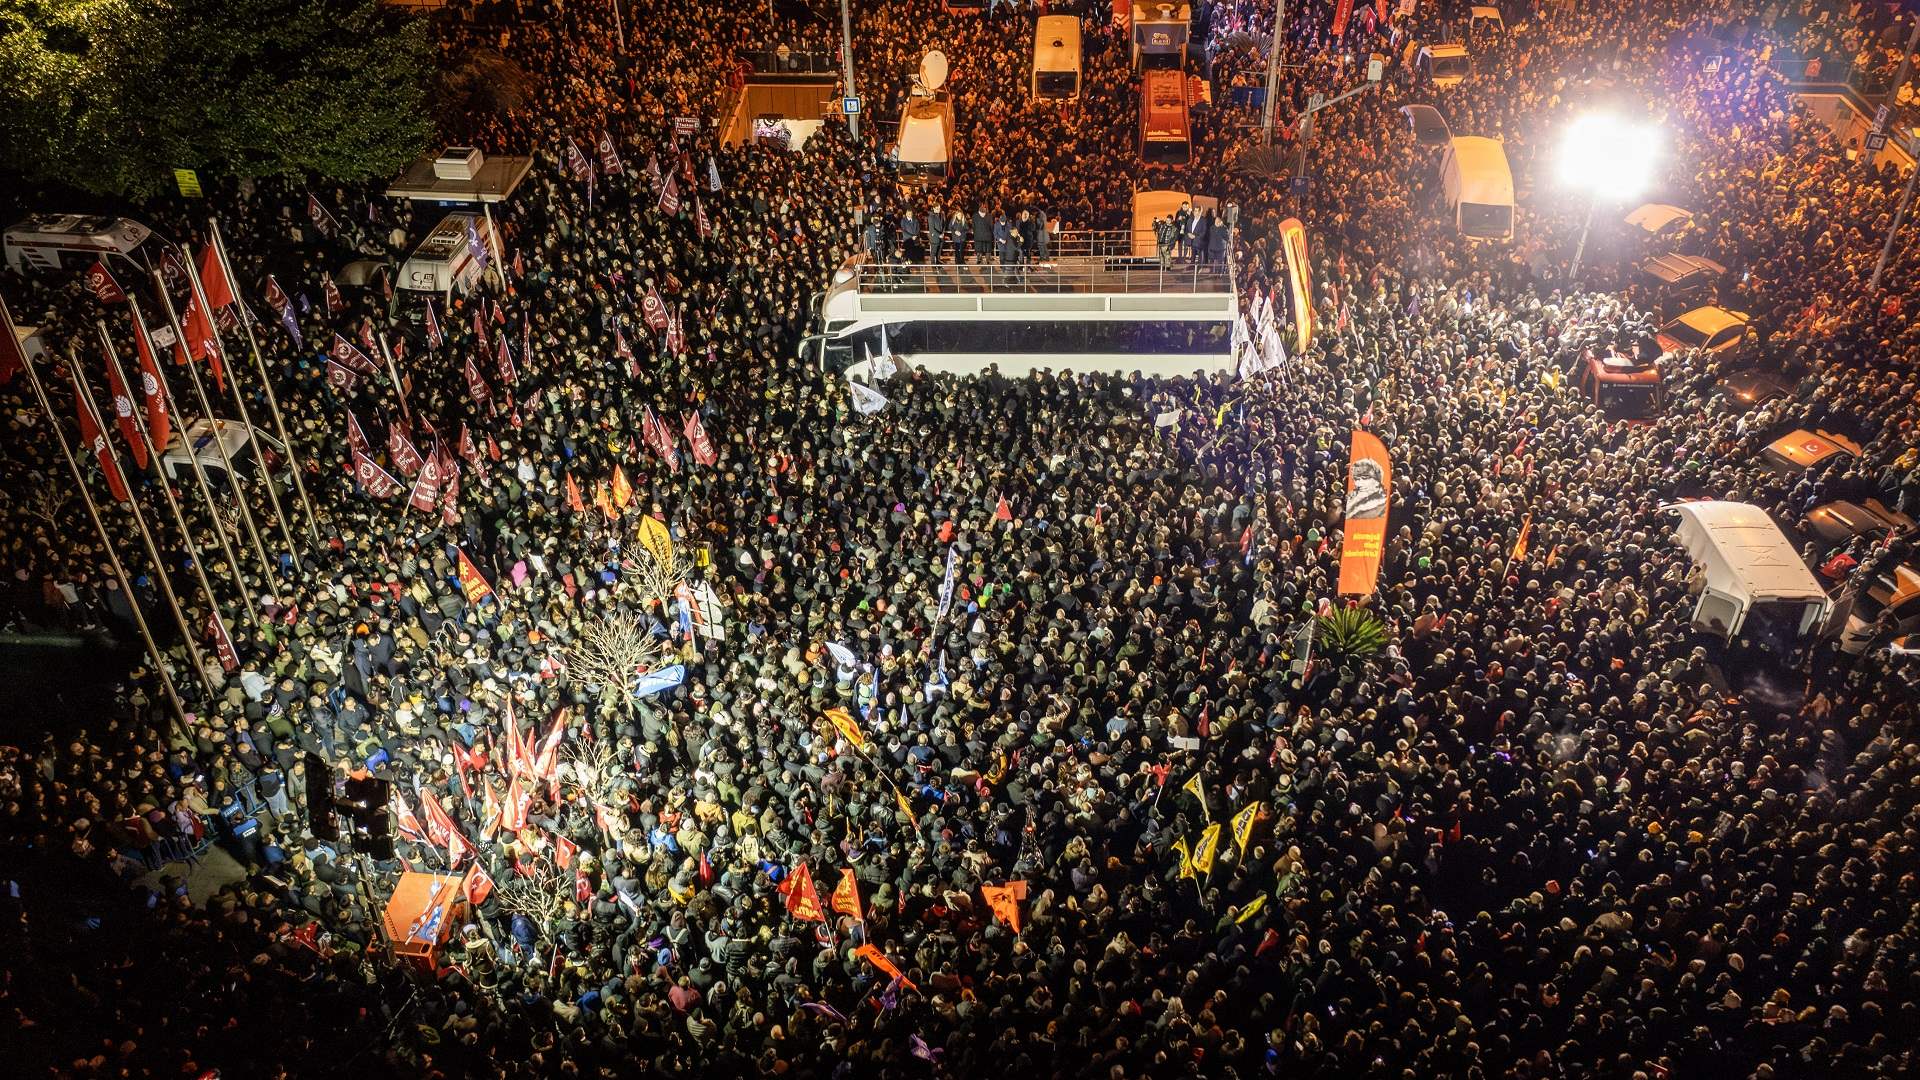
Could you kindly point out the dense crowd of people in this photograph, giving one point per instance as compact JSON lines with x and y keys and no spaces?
{"x":1543,"y":826}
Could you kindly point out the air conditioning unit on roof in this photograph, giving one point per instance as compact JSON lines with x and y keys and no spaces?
{"x":458,"y":163}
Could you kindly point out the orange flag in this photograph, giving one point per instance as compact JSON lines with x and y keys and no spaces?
{"x":489,"y":811}
{"x":803,"y":900}
{"x":622,"y":491}
{"x":1526,"y":534}
{"x":879,"y":959}
{"x":846,"y":896}
{"x":574,"y":502}
{"x":844,"y":723}
{"x":1005,"y":901}
{"x":601,"y":499}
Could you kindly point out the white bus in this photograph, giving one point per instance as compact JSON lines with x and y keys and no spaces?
{"x":445,"y":258}
{"x":1112,"y":313}
{"x":1056,"y":58}
{"x":1479,"y":187}
{"x":70,"y":241}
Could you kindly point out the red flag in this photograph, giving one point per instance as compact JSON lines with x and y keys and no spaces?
{"x":670,"y":196}
{"x":94,"y":438}
{"x":577,"y":161}
{"x":469,"y":450}
{"x":123,"y":413}
{"x":471,"y":582}
{"x":476,"y":385}
{"x":367,"y":340}
{"x":660,"y":439}
{"x":846,"y":896}
{"x":1001,"y":511}
{"x":477,"y":885}
{"x":400,"y":449}
{"x":622,"y":491}
{"x":322,"y":220}
{"x":564,"y":851}
{"x":201,"y":342}
{"x":341,"y":377}
{"x":213,"y":280}
{"x":652,"y":171}
{"x":373,"y":479}
{"x":335,"y":305}
{"x":426,"y":487}
{"x":609,"y":158}
{"x":583,"y":885}
{"x":159,"y":423}
{"x":624,"y":351}
{"x":345,"y":354}
{"x":676,"y":334}
{"x":173,"y":270}
{"x":106,"y":289}
{"x":222,"y":644}
{"x":504,"y":361}
{"x":696,"y":433}
{"x":547,"y":761}
{"x":277,"y":297}
{"x":433,"y":327}
{"x":803,"y":900}
{"x":700,"y":218}
{"x":653,"y":309}
{"x":513,"y":815}
{"x":574,"y":502}
{"x":404,"y":819}
{"x":356,"y":439}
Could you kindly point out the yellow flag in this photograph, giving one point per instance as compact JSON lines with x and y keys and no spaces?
{"x":1192,"y":787}
{"x":1186,"y":859}
{"x":654,"y":537}
{"x":1253,"y":908}
{"x":907,"y":809}
{"x":1243,"y":825}
{"x":843,"y":722}
{"x":1205,"y":848}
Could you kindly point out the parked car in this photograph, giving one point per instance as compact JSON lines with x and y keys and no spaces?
{"x":1892,"y":598}
{"x":1750,"y":389}
{"x":1841,"y":520}
{"x":1802,"y":450}
{"x":1428,"y":126}
{"x":1714,"y":329}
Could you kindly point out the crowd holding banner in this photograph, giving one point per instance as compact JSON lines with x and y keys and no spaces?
{"x":1013,"y":671}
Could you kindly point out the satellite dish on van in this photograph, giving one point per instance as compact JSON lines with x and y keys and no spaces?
{"x":933,"y":70}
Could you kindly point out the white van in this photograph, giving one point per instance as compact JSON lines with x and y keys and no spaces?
{"x":1444,"y":65}
{"x":70,"y":241}
{"x":1479,"y":187}
{"x":445,"y":258}
{"x":926,"y":135}
{"x":236,"y":437}
{"x":1056,"y":58}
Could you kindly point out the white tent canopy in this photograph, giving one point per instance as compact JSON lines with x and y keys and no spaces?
{"x":1748,"y":561}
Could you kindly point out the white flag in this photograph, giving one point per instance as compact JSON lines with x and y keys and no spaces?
{"x":866,"y":400}
{"x":946,"y":591}
{"x":1167,"y":419}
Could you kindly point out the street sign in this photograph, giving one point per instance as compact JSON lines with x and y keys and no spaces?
{"x":1876,"y":141}
{"x":188,"y":182}
{"x":850,"y":106}
{"x":1880,"y":118}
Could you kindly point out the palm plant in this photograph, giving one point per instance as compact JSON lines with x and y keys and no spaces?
{"x":1350,"y":634}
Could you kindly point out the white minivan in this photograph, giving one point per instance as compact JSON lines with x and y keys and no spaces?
{"x":1056,"y":58}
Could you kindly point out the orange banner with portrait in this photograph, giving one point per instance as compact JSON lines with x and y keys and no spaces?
{"x":1369,"y":484}
{"x":1293,"y":238}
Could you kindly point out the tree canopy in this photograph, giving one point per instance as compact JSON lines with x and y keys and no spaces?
{"x":111,"y":96}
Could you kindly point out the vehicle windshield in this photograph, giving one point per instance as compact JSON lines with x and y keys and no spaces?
{"x":1056,"y":83}
{"x":1452,"y":67}
{"x":1630,"y":401}
{"x":1685,"y":335}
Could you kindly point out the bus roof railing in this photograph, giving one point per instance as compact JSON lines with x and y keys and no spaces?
{"x":1076,"y":260}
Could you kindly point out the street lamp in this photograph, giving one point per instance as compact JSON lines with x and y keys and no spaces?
{"x":1607,"y":157}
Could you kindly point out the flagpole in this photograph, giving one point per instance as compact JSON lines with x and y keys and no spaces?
{"x":153,"y":455}
{"x":393,"y":373}
{"x":113,"y":555}
{"x":217,"y":428}
{"x":199,"y":475}
{"x":146,"y":536}
{"x":266,"y":384}
{"x":240,"y":403}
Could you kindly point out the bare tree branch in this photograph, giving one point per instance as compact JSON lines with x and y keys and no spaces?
{"x":610,"y":650}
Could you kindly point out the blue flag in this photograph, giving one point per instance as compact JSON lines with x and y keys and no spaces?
{"x":652,"y":682}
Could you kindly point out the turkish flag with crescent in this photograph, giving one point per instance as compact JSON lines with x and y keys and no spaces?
{"x":96,"y":440}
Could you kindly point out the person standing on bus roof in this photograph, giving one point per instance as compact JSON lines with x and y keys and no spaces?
{"x":982,"y":234}
{"x":936,"y":231}
{"x":1163,"y":241}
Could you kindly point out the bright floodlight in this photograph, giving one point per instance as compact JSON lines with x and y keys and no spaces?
{"x":1609,"y":157}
